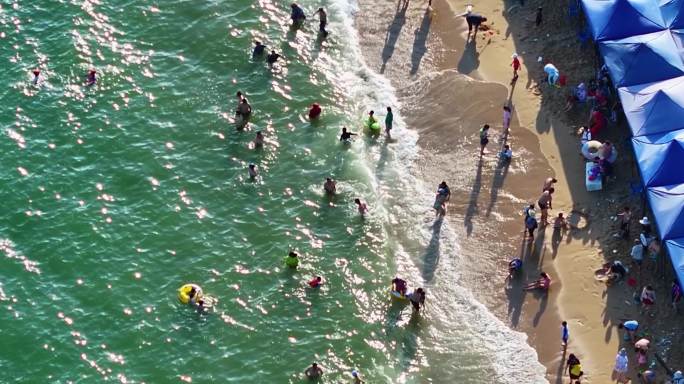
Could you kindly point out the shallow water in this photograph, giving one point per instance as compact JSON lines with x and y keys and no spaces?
{"x":117,"y":194}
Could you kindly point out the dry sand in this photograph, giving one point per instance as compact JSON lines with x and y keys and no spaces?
{"x":447,"y":108}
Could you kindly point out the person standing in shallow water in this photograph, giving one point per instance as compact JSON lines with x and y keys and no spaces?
{"x":388,"y":121}
{"x":484,"y":138}
{"x":323,"y":21}
{"x":297,"y":15}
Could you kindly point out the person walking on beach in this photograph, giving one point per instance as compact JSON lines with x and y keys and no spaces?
{"x":621,"y":367}
{"x":574,"y":368}
{"x":474,"y":20}
{"x":506,"y":117}
{"x":323,"y":21}
{"x":637,"y":254}
{"x":389,"y":118}
{"x":531,"y":224}
{"x":565,"y":334}
{"x":545,"y":204}
{"x":516,"y":66}
{"x":484,"y":138}
{"x":538,"y":17}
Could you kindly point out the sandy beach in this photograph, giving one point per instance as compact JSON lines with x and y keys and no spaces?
{"x":455,"y":87}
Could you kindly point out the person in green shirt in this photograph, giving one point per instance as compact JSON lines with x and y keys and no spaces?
{"x":388,"y":121}
{"x":292,"y":260}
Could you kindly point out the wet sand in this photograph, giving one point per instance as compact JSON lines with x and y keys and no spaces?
{"x":448,"y":89}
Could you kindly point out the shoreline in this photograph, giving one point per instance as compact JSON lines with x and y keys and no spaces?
{"x":544,"y":144}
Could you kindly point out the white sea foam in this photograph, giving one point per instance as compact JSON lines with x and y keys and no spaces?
{"x":406,"y":201}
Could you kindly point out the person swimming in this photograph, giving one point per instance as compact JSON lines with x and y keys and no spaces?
{"x":272,"y":58}
{"x":192,"y":295}
{"x":252,"y":170}
{"x":259,"y":49}
{"x":292,"y":259}
{"x":315,"y":111}
{"x":316,"y":282}
{"x":36,"y":76}
{"x":399,"y":286}
{"x":92,"y":78}
{"x":346,"y":135}
{"x":330,"y":186}
{"x":259,"y":139}
{"x":313,"y":372}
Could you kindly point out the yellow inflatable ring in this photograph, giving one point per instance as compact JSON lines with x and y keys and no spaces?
{"x":184,"y":293}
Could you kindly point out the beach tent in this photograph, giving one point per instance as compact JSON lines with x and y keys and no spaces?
{"x":654,"y":107}
{"x":673,"y":13}
{"x":667,"y":203}
{"x":616,"y":19}
{"x":675,"y":248}
{"x":660,"y":158}
{"x":642,"y":59}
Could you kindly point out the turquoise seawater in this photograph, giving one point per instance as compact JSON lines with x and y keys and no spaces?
{"x":115,"y":195}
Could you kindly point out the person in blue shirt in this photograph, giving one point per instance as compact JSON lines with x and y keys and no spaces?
{"x":630,"y":327}
{"x":565,"y":334}
{"x":514,"y":266}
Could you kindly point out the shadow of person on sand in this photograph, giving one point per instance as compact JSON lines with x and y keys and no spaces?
{"x":497,"y":182}
{"x":420,"y":42}
{"x":472,"y":204}
{"x":514,"y":289}
{"x":431,"y":258}
{"x":393,"y":32}
{"x":470,"y":59}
